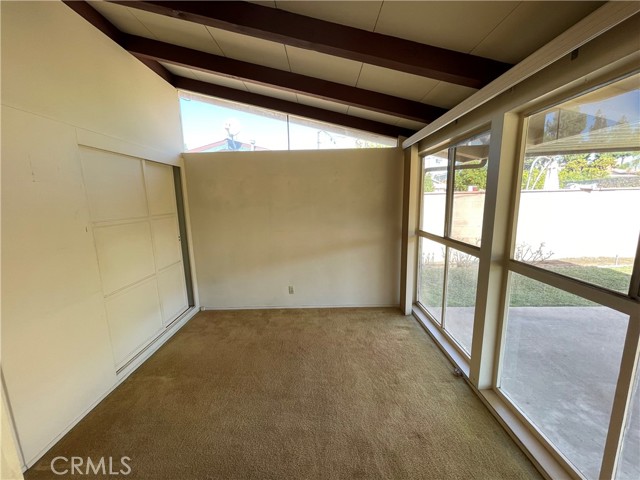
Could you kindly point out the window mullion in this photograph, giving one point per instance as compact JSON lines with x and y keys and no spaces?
{"x":622,"y":399}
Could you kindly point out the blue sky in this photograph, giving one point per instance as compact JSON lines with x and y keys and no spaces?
{"x":204,"y":123}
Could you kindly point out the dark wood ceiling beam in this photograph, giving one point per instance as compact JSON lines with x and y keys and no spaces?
{"x":293,"y":82}
{"x":92,"y":16}
{"x":290,"y":107}
{"x":333,"y":39}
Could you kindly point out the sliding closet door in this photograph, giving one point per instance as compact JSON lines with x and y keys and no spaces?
{"x":135,"y":228}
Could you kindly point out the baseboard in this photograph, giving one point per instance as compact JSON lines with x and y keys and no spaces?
{"x":293,"y":307}
{"x":121,"y":376}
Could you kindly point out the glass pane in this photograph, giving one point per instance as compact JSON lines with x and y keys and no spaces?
{"x":469,"y":185}
{"x":580,"y":187}
{"x":629,"y":463}
{"x":560,"y":366}
{"x":305,"y":134}
{"x":462,"y":280}
{"x":434,"y":199}
{"x":431,"y":277}
{"x":214,"y":125}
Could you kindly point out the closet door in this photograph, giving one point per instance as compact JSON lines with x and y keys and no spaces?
{"x":166,"y":239}
{"x":135,"y":228}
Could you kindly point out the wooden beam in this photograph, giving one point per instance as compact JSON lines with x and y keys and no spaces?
{"x":92,"y":16}
{"x":159,"y":69}
{"x":293,"y":82}
{"x":290,"y":107}
{"x":333,"y":39}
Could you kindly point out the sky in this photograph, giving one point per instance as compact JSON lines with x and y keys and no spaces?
{"x":204,"y":123}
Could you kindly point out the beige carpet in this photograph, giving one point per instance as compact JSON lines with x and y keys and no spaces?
{"x":296,"y":394}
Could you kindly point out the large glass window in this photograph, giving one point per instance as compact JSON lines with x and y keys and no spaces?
{"x":563,"y":275}
{"x":215,"y":125}
{"x":560,"y":367}
{"x":454,"y":180}
{"x":577,"y":216}
{"x":580,"y":187}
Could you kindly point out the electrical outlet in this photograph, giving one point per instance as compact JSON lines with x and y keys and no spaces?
{"x":290,"y":289}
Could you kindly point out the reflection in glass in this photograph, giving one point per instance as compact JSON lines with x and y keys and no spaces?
{"x":561,"y":358}
{"x":580,"y":187}
{"x":306,"y":134}
{"x":469,"y":185}
{"x":431,"y":277}
{"x":462,"y":280}
{"x":434,"y":199}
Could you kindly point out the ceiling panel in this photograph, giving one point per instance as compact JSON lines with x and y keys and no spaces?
{"x":359,"y":14}
{"x":176,"y":31}
{"x":221,"y":80}
{"x":529,"y":27}
{"x":319,"y":103}
{"x":392,"y":82}
{"x":326,"y":67}
{"x":122,"y":18}
{"x":271,"y":92}
{"x":250,"y":49}
{"x":458,"y":26}
{"x":180,"y":71}
{"x":447,"y":95}
{"x":369,"y":115}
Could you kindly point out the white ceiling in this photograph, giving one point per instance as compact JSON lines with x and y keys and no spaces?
{"x":502,"y":30}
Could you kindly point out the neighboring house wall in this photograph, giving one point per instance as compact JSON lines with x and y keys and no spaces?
{"x":327,"y":223}
{"x":62,"y":80}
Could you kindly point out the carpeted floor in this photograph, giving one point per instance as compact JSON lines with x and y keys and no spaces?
{"x":295,"y":394}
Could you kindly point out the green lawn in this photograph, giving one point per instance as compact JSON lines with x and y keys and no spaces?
{"x":524,"y":291}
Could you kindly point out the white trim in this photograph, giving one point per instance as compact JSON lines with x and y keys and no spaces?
{"x":450,"y":350}
{"x":621,"y":408}
{"x":87,"y":138}
{"x":294,"y":307}
{"x":519,"y":431}
{"x":595,"y":24}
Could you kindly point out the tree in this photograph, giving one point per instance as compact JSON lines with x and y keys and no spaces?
{"x":578,"y":168}
{"x":470,"y":177}
{"x":599,"y":123}
{"x":428,"y":183}
{"x":564,"y":123}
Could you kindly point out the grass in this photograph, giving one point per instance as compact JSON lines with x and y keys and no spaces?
{"x":525,"y":292}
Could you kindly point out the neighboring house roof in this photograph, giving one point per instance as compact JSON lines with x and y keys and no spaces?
{"x":226,"y":145}
{"x":617,"y":138}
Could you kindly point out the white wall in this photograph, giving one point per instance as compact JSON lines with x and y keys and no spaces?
{"x":326,"y":222}
{"x":62,"y":80}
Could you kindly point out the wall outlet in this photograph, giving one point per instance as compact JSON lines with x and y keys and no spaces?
{"x":290,"y":289}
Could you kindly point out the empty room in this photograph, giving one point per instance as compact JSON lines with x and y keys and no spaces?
{"x":320,"y":240}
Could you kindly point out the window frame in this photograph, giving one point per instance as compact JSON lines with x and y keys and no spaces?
{"x":507,"y":124}
{"x":628,"y":304}
{"x":446,"y":241}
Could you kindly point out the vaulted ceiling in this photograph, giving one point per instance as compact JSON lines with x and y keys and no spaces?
{"x":388,"y":67}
